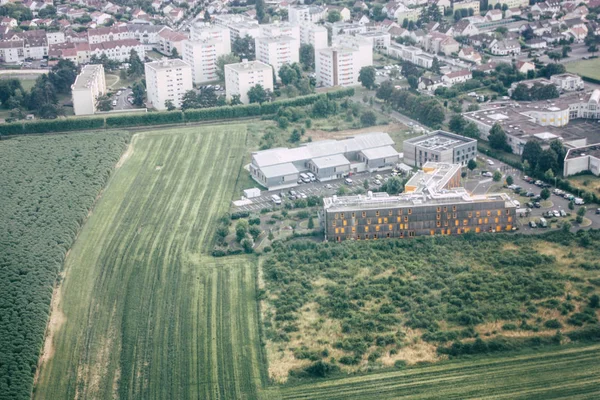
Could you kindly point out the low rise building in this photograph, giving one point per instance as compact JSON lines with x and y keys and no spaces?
{"x":567,"y":82}
{"x":413,"y":54}
{"x":433,"y":204}
{"x":241,"y":77}
{"x":328,"y":159}
{"x":582,"y":159}
{"x":88,"y":86}
{"x":167,"y":80}
{"x":378,"y":39}
{"x":505,"y":47}
{"x":461,"y":76}
{"x":439,"y":146}
{"x":118,"y":50}
{"x":466,"y":5}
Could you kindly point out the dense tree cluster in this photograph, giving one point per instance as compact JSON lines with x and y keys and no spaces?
{"x":537,"y":91}
{"x":541,"y":161}
{"x":49,"y":185}
{"x":425,"y":109}
{"x":445,"y":286}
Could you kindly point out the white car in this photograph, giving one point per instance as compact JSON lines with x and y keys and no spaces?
{"x":348,"y":181}
{"x":378,"y":177}
{"x":328,"y":186}
{"x":377,"y":182}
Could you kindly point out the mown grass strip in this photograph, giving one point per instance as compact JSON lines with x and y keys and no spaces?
{"x":560,"y":372}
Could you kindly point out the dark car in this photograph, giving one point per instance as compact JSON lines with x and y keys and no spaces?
{"x":597,"y":210}
{"x":529,"y":194}
{"x":537,"y":205}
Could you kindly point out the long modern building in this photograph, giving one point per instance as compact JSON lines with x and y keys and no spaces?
{"x":439,"y":146}
{"x":167,"y":80}
{"x":432,"y":205}
{"x":88,"y":86}
{"x":328,"y":159}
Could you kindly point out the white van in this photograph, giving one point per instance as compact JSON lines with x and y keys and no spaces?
{"x":517,"y":203}
{"x":490,"y":162}
{"x":305,"y":178}
{"x":276,"y":199}
{"x":311,"y":176}
{"x":579,"y":201}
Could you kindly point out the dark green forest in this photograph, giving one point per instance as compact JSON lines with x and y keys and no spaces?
{"x":47,"y":186}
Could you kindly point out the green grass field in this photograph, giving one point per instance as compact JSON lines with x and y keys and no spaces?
{"x":590,"y":68}
{"x":571,"y":373}
{"x":143,"y":312}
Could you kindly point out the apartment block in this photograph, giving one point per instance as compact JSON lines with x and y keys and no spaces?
{"x":460,"y":5}
{"x":88,"y":86}
{"x":279,"y":29}
{"x":240,"y":77}
{"x":433,"y":204}
{"x":207,"y":44}
{"x":439,"y":146}
{"x":306,"y":13}
{"x":238,"y":25}
{"x":340,"y":64}
{"x":313,"y":34}
{"x":167,"y":80}
{"x":277,"y":51}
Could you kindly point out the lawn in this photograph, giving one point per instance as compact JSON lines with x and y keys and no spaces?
{"x":27,"y":81}
{"x":589,"y":68}
{"x":555,"y":373}
{"x":143,"y":311}
{"x":586,"y":182}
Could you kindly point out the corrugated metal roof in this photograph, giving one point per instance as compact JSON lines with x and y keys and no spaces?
{"x":380,"y":152}
{"x":321,"y":149}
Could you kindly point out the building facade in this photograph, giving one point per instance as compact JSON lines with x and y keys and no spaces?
{"x":167,"y":80}
{"x":206,"y":45}
{"x":340,"y":64}
{"x":567,"y":82}
{"x":88,"y":86}
{"x":439,"y":146}
{"x":313,"y":34}
{"x":582,"y":159}
{"x":277,"y":51}
{"x":241,"y":77}
{"x":306,"y":13}
{"x":435,"y":207}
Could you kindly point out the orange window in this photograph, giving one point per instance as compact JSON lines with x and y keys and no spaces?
{"x":479,"y":221}
{"x":401,"y":226}
{"x":438,"y":216}
{"x":477,"y":229}
{"x":405,"y":219}
{"x":432,"y":232}
{"x":470,"y":214}
{"x":498,"y":228}
{"x":342,"y":230}
{"x":385,"y":220}
{"x":353,"y":229}
{"x":498,"y":213}
{"x":448,"y":231}
{"x":453,"y":208}
{"x":390,"y":227}
{"x":478,"y":214}
{"x":399,"y":219}
{"x":377,"y":228}
{"x":366,"y":229}
{"x":344,"y":222}
{"x":439,"y":209}
{"x":458,"y":231}
{"x":456,"y":222}
{"x":390,"y":212}
{"x":509,"y":219}
{"x":496,"y":220}
{"x":337,"y":230}
{"x":465,"y":222}
{"x":438,"y":224}
{"x":378,"y":220}
{"x":405,"y":226}
{"x":489,"y":213}
{"x":410,"y":212}
{"x":333,"y":223}
{"x":485,"y":221}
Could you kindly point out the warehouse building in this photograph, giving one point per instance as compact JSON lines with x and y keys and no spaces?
{"x":328,"y":159}
{"x":439,"y":146}
{"x":432,"y":205}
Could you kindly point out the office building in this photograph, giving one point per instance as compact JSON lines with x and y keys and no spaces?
{"x":167,"y":80}
{"x":88,"y":86}
{"x":240,"y":77}
{"x":439,"y":146}
{"x":433,"y":204}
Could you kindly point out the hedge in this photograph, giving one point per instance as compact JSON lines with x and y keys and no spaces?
{"x":166,"y":117}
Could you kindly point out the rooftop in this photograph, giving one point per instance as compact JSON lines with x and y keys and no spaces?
{"x":167,"y":64}
{"x":591,"y":150}
{"x":87,"y":75}
{"x":248,"y":66}
{"x":330,"y":161}
{"x":439,"y":140}
{"x":433,"y":178}
{"x":321,"y":148}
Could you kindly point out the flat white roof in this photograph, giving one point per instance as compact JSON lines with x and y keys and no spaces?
{"x":167,"y":64}
{"x":279,"y":170}
{"x":249,"y":66}
{"x":380,"y":152}
{"x":330,"y":161}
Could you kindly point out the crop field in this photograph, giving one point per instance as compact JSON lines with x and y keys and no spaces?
{"x":571,"y":373}
{"x":143,"y":311}
{"x":587,"y":68}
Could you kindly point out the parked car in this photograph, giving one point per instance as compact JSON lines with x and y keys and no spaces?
{"x":597,"y":210}
{"x":276,"y":199}
{"x":328,"y":186}
{"x":579,"y":201}
{"x":529,"y":204}
{"x":529,"y":194}
{"x":488,"y":174}
{"x":377,"y":182}
{"x":543,"y":223}
{"x":303,"y":196}
{"x":532,"y":224}
{"x":378,"y":177}
{"x":490,"y":162}
{"x":563,"y":213}
{"x":348,"y":181}
{"x":300,"y":181}
{"x":556,"y":213}
{"x":293,"y":192}
{"x":311,"y":176}
{"x":537,"y":204}
{"x":538,"y":183}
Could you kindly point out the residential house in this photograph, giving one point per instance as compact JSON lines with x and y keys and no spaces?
{"x":344,"y":12}
{"x":525,"y":66}
{"x":468,"y":53}
{"x":505,"y":47}
{"x":463,"y":27}
{"x":493,"y":15}
{"x":436,"y":42}
{"x":170,"y":40}
{"x":452,"y":78}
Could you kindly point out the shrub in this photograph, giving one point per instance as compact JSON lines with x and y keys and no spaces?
{"x":321,"y":369}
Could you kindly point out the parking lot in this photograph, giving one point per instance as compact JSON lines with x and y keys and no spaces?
{"x":321,"y":189}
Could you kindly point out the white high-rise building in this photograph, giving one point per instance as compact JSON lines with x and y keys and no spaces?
{"x":167,"y":80}
{"x":240,"y":77}
{"x":340,"y":64}
{"x":277,"y":51}
{"x":306,"y":13}
{"x":238,"y":25}
{"x":313,"y":34}
{"x":207,"y":43}
{"x":281,"y":29}
{"x":88,"y":86}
